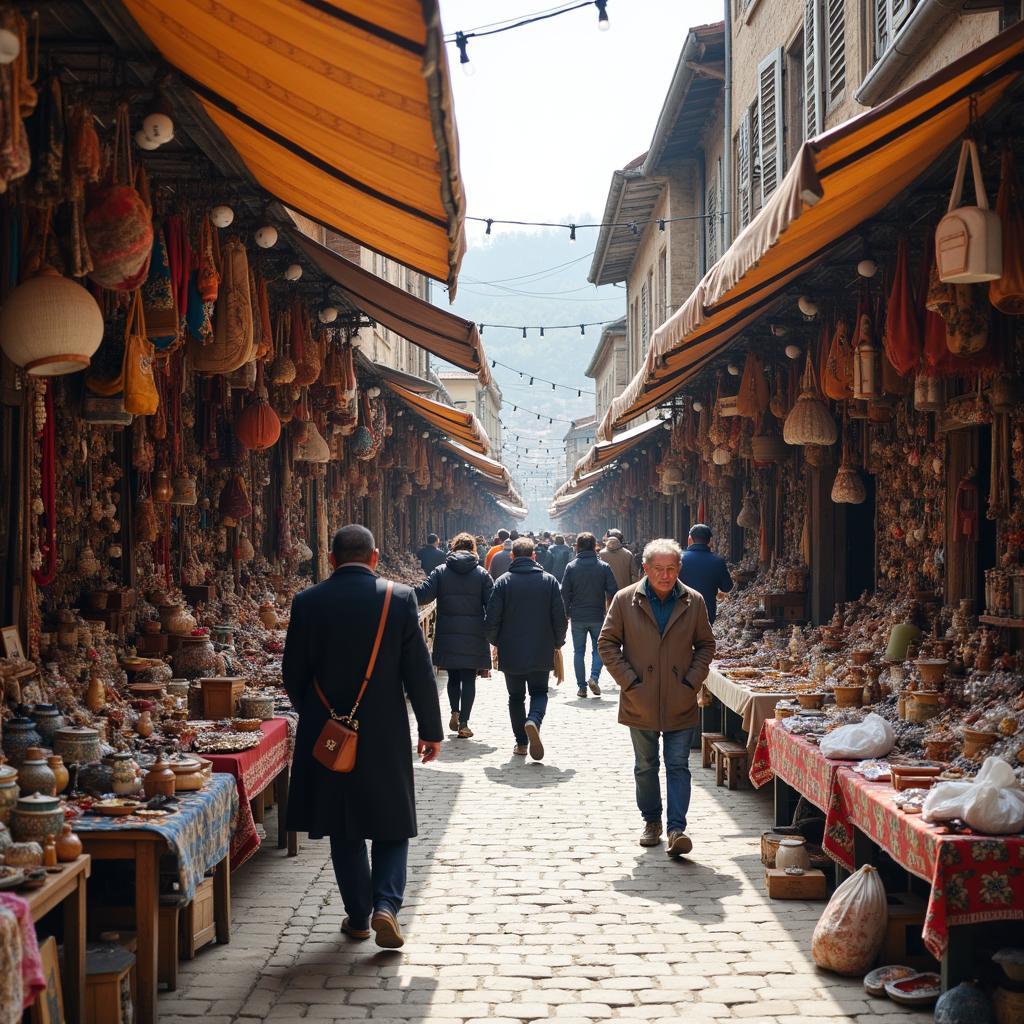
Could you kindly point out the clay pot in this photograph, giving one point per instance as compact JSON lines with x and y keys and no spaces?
{"x":124,"y":774}
{"x":792,"y":853}
{"x":69,"y":846}
{"x":19,"y":734}
{"x":195,"y":658}
{"x":96,"y":694}
{"x":77,"y":745}
{"x":60,"y":772}
{"x":268,"y":616}
{"x":159,"y":780}
{"x":35,"y":817}
{"x":8,"y":792}
{"x":48,"y":720}
{"x":35,"y":775}
{"x":932,"y":670}
{"x":163,"y":489}
{"x":849,"y":696}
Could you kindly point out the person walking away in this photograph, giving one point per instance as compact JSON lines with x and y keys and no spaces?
{"x":657,"y":644}
{"x":541,"y":545}
{"x":587,"y":587}
{"x":559,"y":556}
{"x":526,"y":621}
{"x":503,"y":559}
{"x":703,"y":570}
{"x":461,"y":588}
{"x":430,"y":555}
{"x":330,"y":640}
{"x":500,"y":539}
{"x":620,"y":558}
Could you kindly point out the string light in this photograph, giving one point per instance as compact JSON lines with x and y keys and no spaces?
{"x":572,"y":232}
{"x":547,"y":327}
{"x":632,"y":225}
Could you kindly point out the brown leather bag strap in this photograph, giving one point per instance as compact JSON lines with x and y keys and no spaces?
{"x":373,"y":658}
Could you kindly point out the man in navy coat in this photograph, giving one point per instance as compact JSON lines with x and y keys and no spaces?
{"x":330,"y":637}
{"x":703,"y":570}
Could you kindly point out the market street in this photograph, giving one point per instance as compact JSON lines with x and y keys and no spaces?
{"x":530,"y":899}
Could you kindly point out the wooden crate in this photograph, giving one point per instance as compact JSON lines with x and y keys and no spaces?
{"x":121,"y":599}
{"x":788,"y":607}
{"x":903,"y":943}
{"x":198,"y":926}
{"x":204,"y":594}
{"x":149,"y":643}
{"x":811,"y":885}
{"x":221,"y":696}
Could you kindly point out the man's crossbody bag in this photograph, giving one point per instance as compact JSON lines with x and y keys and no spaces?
{"x":335,"y":747}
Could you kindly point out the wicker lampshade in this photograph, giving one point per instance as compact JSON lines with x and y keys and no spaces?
{"x":672,"y":474}
{"x":50,"y":325}
{"x":314,"y":448}
{"x":809,"y":421}
{"x":848,"y":488}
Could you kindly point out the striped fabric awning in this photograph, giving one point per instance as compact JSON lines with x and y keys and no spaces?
{"x":458,"y":425}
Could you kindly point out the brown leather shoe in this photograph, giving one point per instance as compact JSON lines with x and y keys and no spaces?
{"x":679,"y":844}
{"x":536,"y":746}
{"x":651,"y":835}
{"x":359,"y":934}
{"x":387,"y":933}
{"x":519,"y":750}
{"x":453,"y":722}
{"x":465,"y":732}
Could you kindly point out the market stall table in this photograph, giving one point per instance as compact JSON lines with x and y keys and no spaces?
{"x":199,"y":836}
{"x":66,"y":890}
{"x":254,"y":771}
{"x":753,"y":707}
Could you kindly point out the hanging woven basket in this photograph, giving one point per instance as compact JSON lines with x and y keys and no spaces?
{"x":809,"y":421}
{"x":848,"y":488}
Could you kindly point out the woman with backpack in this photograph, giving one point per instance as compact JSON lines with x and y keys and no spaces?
{"x":461,"y":587}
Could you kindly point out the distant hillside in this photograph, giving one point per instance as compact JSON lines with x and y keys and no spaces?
{"x":522,"y":279}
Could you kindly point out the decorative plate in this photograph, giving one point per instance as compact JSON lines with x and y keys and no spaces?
{"x":116,"y":807}
{"x":915,"y":990}
{"x":145,"y":812}
{"x":876,"y":980}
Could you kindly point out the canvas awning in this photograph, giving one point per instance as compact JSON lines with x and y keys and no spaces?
{"x":838,"y":180}
{"x":444,"y":334}
{"x":565,"y":503}
{"x":513,"y":510}
{"x":583,"y":480}
{"x":605,"y":452}
{"x":458,"y":425}
{"x":494,"y":476}
{"x":340,"y":110}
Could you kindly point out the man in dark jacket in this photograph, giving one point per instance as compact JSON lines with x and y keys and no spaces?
{"x":330,"y":638}
{"x":587,"y":587}
{"x":526,"y":621}
{"x":559,"y":556}
{"x":503,"y":559}
{"x":705,"y":571}
{"x":430,"y":555}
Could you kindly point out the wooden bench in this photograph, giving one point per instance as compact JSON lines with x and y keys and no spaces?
{"x":730,"y":760}
{"x":707,"y":752}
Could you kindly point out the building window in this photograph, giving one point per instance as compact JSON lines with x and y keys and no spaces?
{"x":711,"y":223}
{"x":662,"y":311}
{"x":798,"y":123}
{"x":888,"y":17}
{"x":645,"y":314}
{"x":824,"y":72}
{"x":770,"y":123}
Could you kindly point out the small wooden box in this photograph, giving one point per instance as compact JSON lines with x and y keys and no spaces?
{"x":903,"y":943}
{"x":204,"y":594}
{"x":108,"y":970}
{"x":198,"y":927}
{"x":151,"y":643}
{"x":787,"y":607}
{"x":811,"y":885}
{"x":121,"y":600}
{"x":222,"y":696}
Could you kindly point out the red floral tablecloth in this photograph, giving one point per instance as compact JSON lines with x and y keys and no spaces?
{"x":974,"y":879}
{"x":253,"y":771}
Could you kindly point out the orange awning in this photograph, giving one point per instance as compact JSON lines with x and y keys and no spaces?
{"x":606,"y":452}
{"x":838,"y":180}
{"x":340,"y":110}
{"x":495,"y":477}
{"x":458,"y":425}
{"x":444,"y":334}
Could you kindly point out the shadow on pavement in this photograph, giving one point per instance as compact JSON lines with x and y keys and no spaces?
{"x":532,"y":775}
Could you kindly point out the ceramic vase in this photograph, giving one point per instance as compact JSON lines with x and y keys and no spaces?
{"x":69,"y":846}
{"x":8,"y":792}
{"x":159,"y":780}
{"x":96,"y":694}
{"x":19,"y":734}
{"x":35,"y":775}
{"x":48,"y":720}
{"x":35,"y":817}
{"x":60,"y":771}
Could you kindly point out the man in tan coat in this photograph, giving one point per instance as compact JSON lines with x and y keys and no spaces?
{"x":657,"y":644}
{"x":620,"y":558}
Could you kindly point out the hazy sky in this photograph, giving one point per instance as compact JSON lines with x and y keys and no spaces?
{"x":553,"y":108}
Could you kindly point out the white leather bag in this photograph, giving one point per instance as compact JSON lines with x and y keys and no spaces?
{"x":969,"y":239}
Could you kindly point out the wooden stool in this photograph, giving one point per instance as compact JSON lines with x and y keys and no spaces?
{"x":730,"y":759}
{"x":109,"y":988}
{"x":707,"y":752}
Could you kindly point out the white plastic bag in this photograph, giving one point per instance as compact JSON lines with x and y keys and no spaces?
{"x":874,"y":737}
{"x":851,"y":930}
{"x":992,"y":802}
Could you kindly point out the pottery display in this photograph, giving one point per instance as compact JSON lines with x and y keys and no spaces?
{"x":24,"y":854}
{"x":96,"y":778}
{"x":60,"y":772}
{"x":8,"y":792}
{"x":792,"y":853}
{"x":35,"y":775}
{"x":35,"y":817}
{"x":159,"y":780}
{"x":20,"y":733}
{"x":124,"y":773}
{"x":77,"y":744}
{"x":48,"y":720}
{"x":69,"y":846}
{"x":195,"y":658}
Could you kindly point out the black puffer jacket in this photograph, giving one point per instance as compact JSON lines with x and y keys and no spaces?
{"x":526,"y":619}
{"x":461,"y":588}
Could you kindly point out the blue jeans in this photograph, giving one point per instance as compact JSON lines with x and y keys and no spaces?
{"x":462,"y":692}
{"x":580,"y":632}
{"x":677,"y":769}
{"x":364,"y":890}
{"x":537,"y":684}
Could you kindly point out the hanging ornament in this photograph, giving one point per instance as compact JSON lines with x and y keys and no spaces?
{"x":266,"y":236}
{"x":10,"y":46}
{"x":293,"y":272}
{"x":328,"y":314}
{"x":143,"y":141}
{"x":222,"y":216}
{"x":158,"y":125}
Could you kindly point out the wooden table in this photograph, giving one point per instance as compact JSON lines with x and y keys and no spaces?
{"x":144,"y":849}
{"x":67,"y":889}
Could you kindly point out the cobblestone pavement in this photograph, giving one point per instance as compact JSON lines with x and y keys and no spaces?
{"x":529,"y":899}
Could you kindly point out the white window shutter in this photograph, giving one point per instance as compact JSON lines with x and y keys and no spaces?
{"x":711,"y":223}
{"x":812,"y":70}
{"x":900,"y":10}
{"x":743,"y":175}
{"x":882,"y":23}
{"x":769,"y":74}
{"x":835,"y":56}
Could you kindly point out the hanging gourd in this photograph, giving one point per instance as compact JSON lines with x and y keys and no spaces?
{"x":313,"y":447}
{"x":119,"y":221}
{"x":750,"y":515}
{"x":969,"y":239}
{"x":50,"y":325}
{"x":809,"y":421}
{"x":1007,"y":293}
{"x":258,"y":427}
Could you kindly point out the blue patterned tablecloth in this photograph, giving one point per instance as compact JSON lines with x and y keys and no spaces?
{"x":199,"y":833}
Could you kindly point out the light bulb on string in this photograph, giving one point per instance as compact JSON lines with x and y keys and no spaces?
{"x":462,"y":43}
{"x":489,"y":223}
{"x":572,"y":233}
{"x":583,"y":329}
{"x":524,"y":332}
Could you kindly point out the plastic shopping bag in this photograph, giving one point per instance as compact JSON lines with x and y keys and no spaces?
{"x":874,"y":737}
{"x":850,"y":932}
{"x":991,"y":802}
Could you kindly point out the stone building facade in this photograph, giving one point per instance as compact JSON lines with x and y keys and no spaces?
{"x":467,"y":393}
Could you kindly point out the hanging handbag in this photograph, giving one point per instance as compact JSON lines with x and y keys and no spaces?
{"x":969,"y":239}
{"x":140,"y":392}
{"x":335,"y":747}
